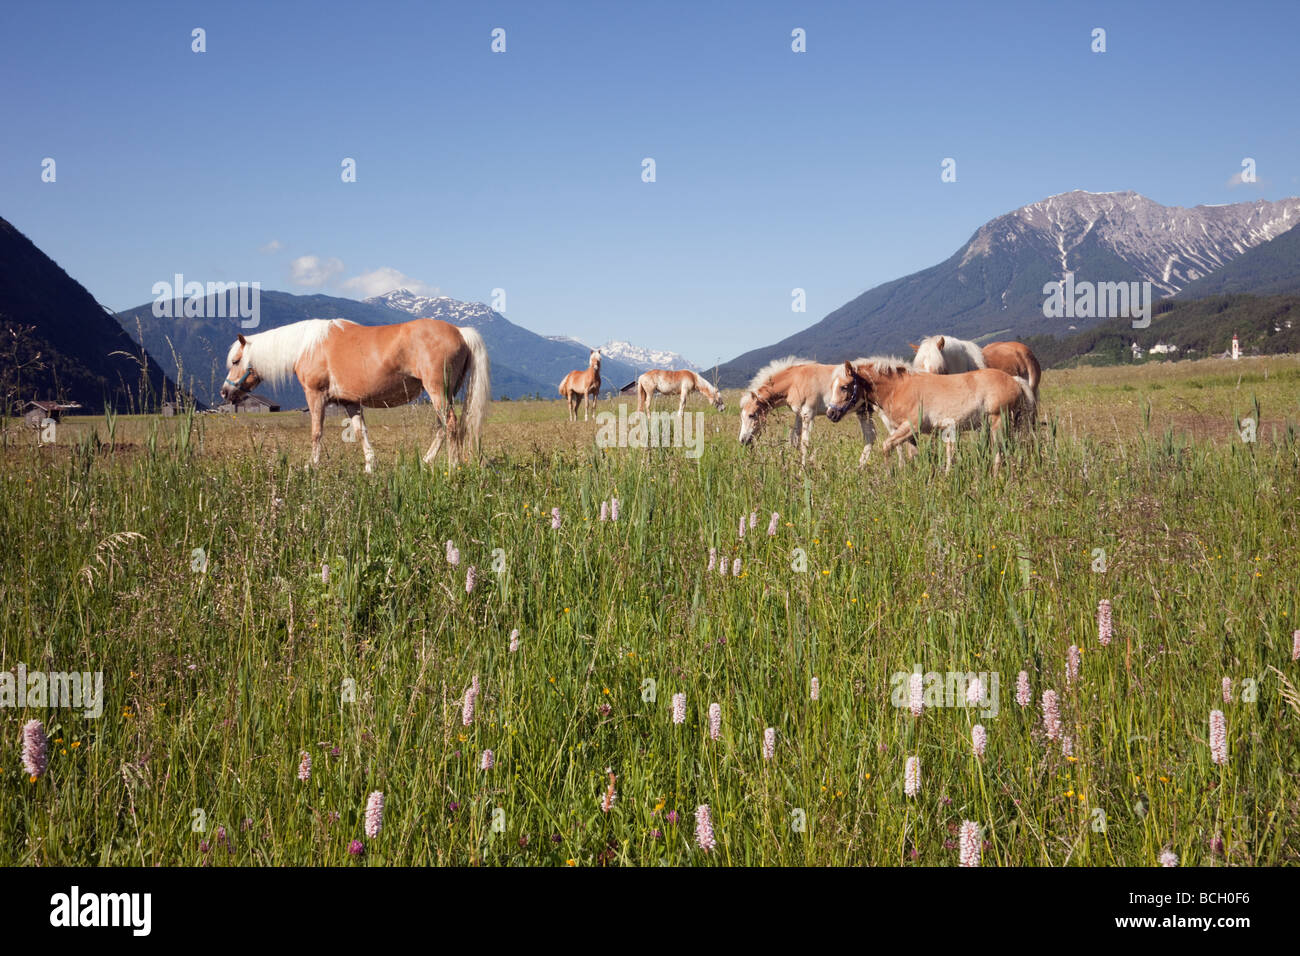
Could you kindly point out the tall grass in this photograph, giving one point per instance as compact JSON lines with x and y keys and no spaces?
{"x":216,"y":681}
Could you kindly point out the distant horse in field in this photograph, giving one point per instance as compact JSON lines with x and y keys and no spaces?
{"x":582,"y":384}
{"x":909,"y":401}
{"x":944,"y":355}
{"x":376,"y":366}
{"x":668,"y":382}
{"x":809,"y":390}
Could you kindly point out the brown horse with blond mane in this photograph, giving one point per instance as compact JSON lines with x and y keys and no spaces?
{"x":669,"y":382}
{"x":582,"y":385}
{"x":372,"y":366}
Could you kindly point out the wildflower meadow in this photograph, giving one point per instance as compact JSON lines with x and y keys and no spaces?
{"x":568,"y":655}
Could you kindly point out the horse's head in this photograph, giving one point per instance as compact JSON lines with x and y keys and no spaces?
{"x":929,"y":356}
{"x":714,"y":394}
{"x":849,"y":389}
{"x":718,"y":403}
{"x":753,"y":413}
{"x":595,"y":359}
{"x":241,"y":377}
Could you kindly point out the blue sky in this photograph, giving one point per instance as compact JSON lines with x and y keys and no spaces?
{"x":522,"y":170}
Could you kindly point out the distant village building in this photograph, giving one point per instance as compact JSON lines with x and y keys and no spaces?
{"x":1137,"y":351}
{"x":249,"y":405}
{"x":170,"y":409}
{"x":37,"y":412}
{"x":1160,"y":348}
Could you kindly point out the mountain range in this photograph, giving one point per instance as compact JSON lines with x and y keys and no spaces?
{"x":993,"y":285}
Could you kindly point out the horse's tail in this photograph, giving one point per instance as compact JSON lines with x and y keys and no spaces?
{"x":478,"y":394}
{"x":1027,"y":408}
{"x":1035,"y":372}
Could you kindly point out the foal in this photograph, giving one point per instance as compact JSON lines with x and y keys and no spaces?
{"x":809,"y":390}
{"x":911,"y":401}
{"x":582,"y":384}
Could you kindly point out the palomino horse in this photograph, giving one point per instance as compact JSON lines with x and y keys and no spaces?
{"x":944,"y":355}
{"x":582,"y":383}
{"x":1017,"y":360}
{"x":681,"y":383}
{"x":377,"y":366}
{"x":805,"y":387}
{"x":908,"y":400}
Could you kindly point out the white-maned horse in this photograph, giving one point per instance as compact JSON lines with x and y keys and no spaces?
{"x":945,"y":355}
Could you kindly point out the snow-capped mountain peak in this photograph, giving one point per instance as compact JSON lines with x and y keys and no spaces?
{"x":637,"y":356}
{"x":644,"y":358}
{"x":433,"y":307}
{"x":1169,"y":246}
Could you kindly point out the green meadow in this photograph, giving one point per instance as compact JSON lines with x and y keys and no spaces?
{"x":183,"y":559}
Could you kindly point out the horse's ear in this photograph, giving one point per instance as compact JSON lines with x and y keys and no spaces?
{"x":938,"y":343}
{"x":914,"y":348}
{"x":240,"y":336}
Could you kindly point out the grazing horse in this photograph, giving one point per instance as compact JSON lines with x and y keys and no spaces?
{"x":580,"y":384}
{"x":376,"y":366}
{"x":806,"y":388}
{"x":1017,"y":360}
{"x":908,"y":400}
{"x":944,"y":355}
{"x":681,"y":383}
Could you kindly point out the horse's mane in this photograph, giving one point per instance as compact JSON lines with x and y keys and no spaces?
{"x":275,"y":352}
{"x":702,"y":383}
{"x":884,"y":365}
{"x":771,"y":368}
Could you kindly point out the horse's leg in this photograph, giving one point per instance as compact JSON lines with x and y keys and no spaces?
{"x":995,"y":439}
{"x":316,"y":405}
{"x":642,"y":400}
{"x":453,"y":437}
{"x":896,"y":438}
{"x":868,"y":436}
{"x":573,"y":407}
{"x":439,"y":427}
{"x":806,"y":414}
{"x":796,"y":430}
{"x":359,"y":426}
{"x":681,"y":406}
{"x":590,"y":407}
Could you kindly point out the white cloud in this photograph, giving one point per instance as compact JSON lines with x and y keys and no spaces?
{"x":314,"y":271}
{"x":386,"y":279}
{"x":274,"y":246}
